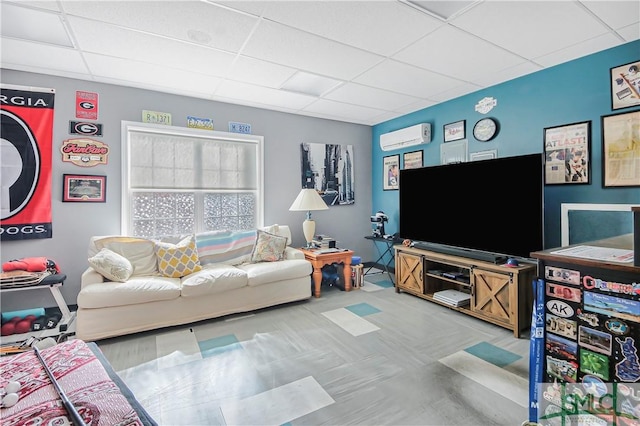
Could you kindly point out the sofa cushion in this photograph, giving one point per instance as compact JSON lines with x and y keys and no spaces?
{"x":268,"y":247}
{"x":229,"y":247}
{"x":139,"y":251}
{"x":111,"y":265}
{"x":134,"y":291}
{"x":213,"y":278}
{"x":268,"y":272}
{"x":178,"y":260}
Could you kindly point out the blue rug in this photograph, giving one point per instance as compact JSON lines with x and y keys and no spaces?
{"x":493,"y":354}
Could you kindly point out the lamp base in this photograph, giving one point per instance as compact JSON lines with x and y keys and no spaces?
{"x":309,"y":230}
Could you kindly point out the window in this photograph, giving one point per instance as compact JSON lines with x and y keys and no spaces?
{"x":180,"y":180}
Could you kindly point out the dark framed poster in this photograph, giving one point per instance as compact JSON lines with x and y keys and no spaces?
{"x":625,"y":85}
{"x":621,"y":150}
{"x":391,"y":172}
{"x":567,"y":150}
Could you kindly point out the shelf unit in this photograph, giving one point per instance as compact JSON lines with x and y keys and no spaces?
{"x":498,"y":294}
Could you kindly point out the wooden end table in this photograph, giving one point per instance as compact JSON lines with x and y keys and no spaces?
{"x":318,"y":260}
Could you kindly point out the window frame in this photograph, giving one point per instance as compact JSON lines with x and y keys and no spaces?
{"x":128,"y":127}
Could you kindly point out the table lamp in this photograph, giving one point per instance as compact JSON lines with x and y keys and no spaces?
{"x":307,"y":200}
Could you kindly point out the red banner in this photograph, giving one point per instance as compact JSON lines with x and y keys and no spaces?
{"x":26,"y":126}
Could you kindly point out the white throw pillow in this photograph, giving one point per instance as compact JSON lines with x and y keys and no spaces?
{"x":139,"y":251}
{"x":111,"y":265}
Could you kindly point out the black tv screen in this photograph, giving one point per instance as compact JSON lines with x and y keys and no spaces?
{"x":493,"y":206}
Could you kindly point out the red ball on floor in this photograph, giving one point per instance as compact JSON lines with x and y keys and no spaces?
{"x":8,"y":328}
{"x":23,"y":326}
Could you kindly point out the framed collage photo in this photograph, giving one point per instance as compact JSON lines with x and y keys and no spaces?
{"x":625,"y":85}
{"x":621,"y":150}
{"x":567,"y":150}
{"x":391,"y":172}
{"x":84,"y":188}
{"x":412,"y":160}
{"x":454,"y":131}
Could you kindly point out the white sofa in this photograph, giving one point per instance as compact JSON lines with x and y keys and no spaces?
{"x":229,"y":282}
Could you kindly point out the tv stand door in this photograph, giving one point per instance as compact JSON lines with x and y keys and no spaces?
{"x":492,"y":295}
{"x":409,"y":273}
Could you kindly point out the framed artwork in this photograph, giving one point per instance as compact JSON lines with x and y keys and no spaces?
{"x":391,"y":172}
{"x":621,"y":149}
{"x":84,"y":188}
{"x":454,"y":131}
{"x":412,"y":160}
{"x":567,"y":150}
{"x":329,"y":169}
{"x":625,"y":85}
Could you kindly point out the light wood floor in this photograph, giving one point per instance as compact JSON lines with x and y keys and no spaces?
{"x":367,"y":357}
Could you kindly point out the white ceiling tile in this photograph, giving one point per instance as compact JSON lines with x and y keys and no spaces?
{"x":456,"y":92}
{"x":262,"y":95}
{"x":47,"y":4}
{"x":150,"y":75}
{"x":630,"y":33}
{"x":578,"y":50}
{"x":451,"y":52}
{"x":385,"y":28}
{"x":528,"y":28}
{"x":262,"y":73}
{"x":416,"y":106}
{"x":506,"y":74}
{"x":114,"y":41}
{"x":370,"y":96}
{"x":407,"y":79}
{"x":343,"y":112}
{"x":29,"y":54}
{"x":277,"y":43}
{"x":227,"y":30}
{"x":616,"y":14}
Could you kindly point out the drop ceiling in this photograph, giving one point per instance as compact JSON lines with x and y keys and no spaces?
{"x":360,"y":62}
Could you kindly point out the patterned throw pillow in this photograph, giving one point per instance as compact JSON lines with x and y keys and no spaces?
{"x":268,"y":247}
{"x":178,"y":260}
{"x":111,"y":265}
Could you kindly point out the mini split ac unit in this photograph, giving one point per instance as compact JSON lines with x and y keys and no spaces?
{"x":414,"y":135}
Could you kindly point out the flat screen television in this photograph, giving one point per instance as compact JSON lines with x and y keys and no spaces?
{"x":490,"y":206}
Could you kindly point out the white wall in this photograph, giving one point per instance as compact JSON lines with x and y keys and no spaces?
{"x":74,"y":223}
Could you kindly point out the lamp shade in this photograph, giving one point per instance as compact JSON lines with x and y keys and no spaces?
{"x":307,"y":200}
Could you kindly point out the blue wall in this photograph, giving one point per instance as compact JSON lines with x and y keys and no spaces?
{"x":573,"y":92}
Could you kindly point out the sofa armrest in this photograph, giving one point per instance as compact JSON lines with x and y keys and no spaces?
{"x":293,"y":253}
{"x":90,"y":276}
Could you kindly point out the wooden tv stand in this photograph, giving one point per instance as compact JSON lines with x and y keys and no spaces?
{"x":500,"y":294}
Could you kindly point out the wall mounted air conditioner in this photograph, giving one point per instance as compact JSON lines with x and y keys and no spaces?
{"x":414,"y":135}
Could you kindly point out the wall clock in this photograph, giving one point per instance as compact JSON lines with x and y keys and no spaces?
{"x":485,"y":129}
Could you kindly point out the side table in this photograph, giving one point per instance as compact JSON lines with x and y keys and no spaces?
{"x":318,"y":260}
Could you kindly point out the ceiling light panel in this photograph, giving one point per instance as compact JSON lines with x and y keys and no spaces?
{"x":309,"y":84}
{"x":33,"y":25}
{"x":442,"y":9}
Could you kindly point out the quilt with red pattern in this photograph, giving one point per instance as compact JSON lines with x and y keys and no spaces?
{"x":81,"y":376}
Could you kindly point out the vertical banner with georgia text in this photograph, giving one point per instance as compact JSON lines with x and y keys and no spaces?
{"x":26,"y":126}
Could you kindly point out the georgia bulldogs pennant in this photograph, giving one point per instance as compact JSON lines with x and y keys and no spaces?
{"x":26,"y":120}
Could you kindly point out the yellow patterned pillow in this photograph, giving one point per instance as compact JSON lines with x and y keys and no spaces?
{"x":178,"y":260}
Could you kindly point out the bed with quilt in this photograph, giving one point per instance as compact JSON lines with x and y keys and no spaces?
{"x":85,"y":376}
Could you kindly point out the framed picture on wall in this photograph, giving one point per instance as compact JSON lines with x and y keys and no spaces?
{"x":84,"y":188}
{"x":412,"y":160}
{"x":454,"y":131}
{"x":567,"y":150}
{"x":621,"y":149}
{"x":391,"y":172}
{"x":625,"y":85}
